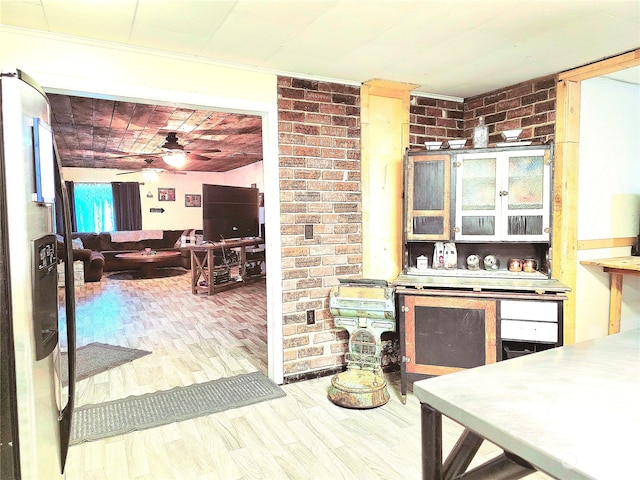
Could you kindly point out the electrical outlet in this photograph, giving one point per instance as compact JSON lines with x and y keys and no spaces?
{"x":311,"y":317}
{"x":308,"y":232}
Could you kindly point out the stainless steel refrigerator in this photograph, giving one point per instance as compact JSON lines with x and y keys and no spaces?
{"x":36,"y":409}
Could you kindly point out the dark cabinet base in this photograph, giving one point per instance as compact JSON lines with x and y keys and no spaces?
{"x":446,"y":331}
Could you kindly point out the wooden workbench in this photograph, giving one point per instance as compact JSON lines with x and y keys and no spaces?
{"x":617,"y":267}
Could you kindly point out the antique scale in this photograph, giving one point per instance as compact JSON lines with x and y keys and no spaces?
{"x":366,"y":309}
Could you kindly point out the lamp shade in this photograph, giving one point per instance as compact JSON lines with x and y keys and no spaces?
{"x":176,"y":159}
{"x":149,"y":175}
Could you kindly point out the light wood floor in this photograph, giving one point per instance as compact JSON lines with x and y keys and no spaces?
{"x":198,"y":338}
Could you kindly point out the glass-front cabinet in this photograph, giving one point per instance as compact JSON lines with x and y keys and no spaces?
{"x":428,"y":180}
{"x":503,"y":196}
{"x":488,"y":212}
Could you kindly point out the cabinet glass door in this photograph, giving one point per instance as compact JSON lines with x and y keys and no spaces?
{"x":478,"y":201}
{"x":503,"y":196}
{"x":525,"y":202}
{"x":428,"y":199}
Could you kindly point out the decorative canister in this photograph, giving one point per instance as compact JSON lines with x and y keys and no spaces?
{"x":530,"y":265}
{"x":422,"y":263}
{"x":491,"y":262}
{"x":514,"y":265}
{"x":438,"y":255}
{"x":473,"y":262}
{"x":450,"y":256}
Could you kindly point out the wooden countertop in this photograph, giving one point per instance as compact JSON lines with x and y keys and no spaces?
{"x":617,"y":268}
{"x":625,"y":265}
{"x":539,"y":285}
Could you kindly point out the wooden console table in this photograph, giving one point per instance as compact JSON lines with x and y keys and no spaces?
{"x":203,"y":268}
{"x":617,"y":267}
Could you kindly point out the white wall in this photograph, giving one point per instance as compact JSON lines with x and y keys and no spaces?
{"x":609,"y":198}
{"x":176,"y":215}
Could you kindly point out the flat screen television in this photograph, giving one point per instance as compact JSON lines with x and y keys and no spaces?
{"x":229,"y":212}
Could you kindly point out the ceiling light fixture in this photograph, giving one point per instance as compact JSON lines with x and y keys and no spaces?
{"x":150,"y":175}
{"x":176,"y":159}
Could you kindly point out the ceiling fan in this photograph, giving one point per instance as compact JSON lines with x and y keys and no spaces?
{"x":149,"y":173}
{"x":175,"y":154}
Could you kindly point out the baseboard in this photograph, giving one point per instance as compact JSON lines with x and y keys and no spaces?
{"x":299,"y":377}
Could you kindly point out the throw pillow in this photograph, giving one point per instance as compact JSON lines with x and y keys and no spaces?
{"x":76,"y":244}
{"x":188,"y":237}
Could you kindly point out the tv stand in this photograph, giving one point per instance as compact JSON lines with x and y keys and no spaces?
{"x":208,"y":278}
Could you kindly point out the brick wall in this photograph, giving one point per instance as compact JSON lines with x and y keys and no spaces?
{"x":434,"y":119}
{"x":530,"y":105}
{"x":319,"y":142}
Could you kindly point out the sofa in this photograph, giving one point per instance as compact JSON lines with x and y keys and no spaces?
{"x":126,"y":242}
{"x":107,"y":246}
{"x":92,"y":261}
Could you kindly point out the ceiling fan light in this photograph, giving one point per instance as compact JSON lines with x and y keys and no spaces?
{"x":149,"y":175}
{"x":176,"y":160}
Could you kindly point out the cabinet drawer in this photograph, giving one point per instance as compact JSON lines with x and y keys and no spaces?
{"x":529,"y":310}
{"x":532,"y":331}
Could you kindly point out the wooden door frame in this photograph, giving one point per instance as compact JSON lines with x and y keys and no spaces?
{"x":565,"y":182}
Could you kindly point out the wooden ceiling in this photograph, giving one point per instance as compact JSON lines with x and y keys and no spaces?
{"x":96,"y":133}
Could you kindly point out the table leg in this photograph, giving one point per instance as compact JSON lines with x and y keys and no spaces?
{"x":615,"y":302}
{"x":462,"y":454}
{"x":147,"y":270}
{"x":431,"y":424}
{"x":500,"y":468}
{"x":209,"y":273}
{"x":196,"y":271}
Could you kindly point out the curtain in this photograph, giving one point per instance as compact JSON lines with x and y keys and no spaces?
{"x":127,"y":205}
{"x":72,"y":205}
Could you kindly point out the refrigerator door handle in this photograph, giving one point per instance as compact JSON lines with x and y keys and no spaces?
{"x":66,"y":415}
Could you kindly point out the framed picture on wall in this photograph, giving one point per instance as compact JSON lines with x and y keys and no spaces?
{"x":192,"y":200}
{"x":166,"y":194}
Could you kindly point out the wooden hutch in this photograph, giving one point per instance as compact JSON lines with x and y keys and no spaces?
{"x":494,"y":204}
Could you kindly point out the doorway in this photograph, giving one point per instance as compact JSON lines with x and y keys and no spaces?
{"x":270,"y":174}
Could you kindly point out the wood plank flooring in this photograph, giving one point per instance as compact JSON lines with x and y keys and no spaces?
{"x":198,"y":338}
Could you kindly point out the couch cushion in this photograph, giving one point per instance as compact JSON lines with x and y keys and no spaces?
{"x":89,"y":240}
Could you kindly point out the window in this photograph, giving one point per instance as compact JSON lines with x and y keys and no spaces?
{"x":94,"y":209}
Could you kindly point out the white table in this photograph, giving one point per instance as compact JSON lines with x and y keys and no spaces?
{"x":572,"y":412}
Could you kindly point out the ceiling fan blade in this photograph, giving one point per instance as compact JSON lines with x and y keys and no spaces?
{"x":199,"y":152}
{"x":134,"y":155}
{"x":200,"y":158}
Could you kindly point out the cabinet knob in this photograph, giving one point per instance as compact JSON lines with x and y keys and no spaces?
{"x":405,"y":359}
{"x":456,"y":229}
{"x":547,"y":230}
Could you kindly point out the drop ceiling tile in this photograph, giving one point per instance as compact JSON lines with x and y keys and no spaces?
{"x":23,"y":13}
{"x":108,"y":21}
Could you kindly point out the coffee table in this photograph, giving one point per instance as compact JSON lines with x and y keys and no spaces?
{"x":148,"y":261}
